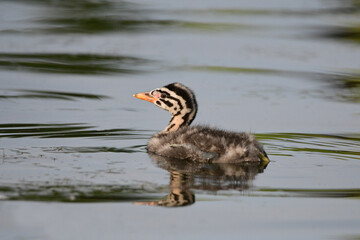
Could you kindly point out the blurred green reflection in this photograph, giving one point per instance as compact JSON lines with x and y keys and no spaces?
{"x":72,"y":63}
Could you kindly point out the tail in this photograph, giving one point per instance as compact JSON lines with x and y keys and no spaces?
{"x":263,"y":156}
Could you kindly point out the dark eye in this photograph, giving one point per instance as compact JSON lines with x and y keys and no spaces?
{"x":163,"y":95}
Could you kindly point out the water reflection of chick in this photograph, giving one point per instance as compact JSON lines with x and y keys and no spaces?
{"x":186,"y":175}
{"x":180,"y":194}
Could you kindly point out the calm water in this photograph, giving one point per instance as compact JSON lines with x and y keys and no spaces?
{"x":73,"y":163}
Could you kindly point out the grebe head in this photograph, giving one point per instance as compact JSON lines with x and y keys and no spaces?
{"x":175,"y":98}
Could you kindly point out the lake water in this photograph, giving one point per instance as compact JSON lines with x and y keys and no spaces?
{"x":73,"y":163}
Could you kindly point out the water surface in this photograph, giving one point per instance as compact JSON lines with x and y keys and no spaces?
{"x":73,"y":162}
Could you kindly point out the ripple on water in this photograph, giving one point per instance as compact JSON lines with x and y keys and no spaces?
{"x":186,"y":178}
{"x":80,"y":63}
{"x":186,"y":181}
{"x":67,"y":130}
{"x":339,"y":146}
{"x":34,"y":94}
{"x":343,"y":85}
{"x":67,"y":149}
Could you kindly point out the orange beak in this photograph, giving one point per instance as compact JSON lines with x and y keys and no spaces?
{"x":145,"y":96}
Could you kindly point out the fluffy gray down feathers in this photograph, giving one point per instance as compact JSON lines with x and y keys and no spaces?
{"x":204,"y":144}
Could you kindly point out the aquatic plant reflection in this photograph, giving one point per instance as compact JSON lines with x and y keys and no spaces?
{"x":188,"y":175}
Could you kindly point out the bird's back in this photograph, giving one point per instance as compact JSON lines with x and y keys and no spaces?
{"x":201,"y":143}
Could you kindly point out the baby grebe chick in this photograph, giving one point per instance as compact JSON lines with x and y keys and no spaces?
{"x":198,"y":143}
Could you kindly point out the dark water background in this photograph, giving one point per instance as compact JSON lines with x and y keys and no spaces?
{"x":73,"y":163}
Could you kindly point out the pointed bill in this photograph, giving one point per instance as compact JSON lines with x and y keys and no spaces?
{"x":145,"y":96}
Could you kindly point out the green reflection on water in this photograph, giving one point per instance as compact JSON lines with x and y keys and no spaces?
{"x":83,"y":4}
{"x":71,"y":63}
{"x":294,"y":136}
{"x":339,"y":146}
{"x":79,"y":193}
{"x":127,"y":193}
{"x":89,"y":17}
{"x":330,"y":193}
{"x":350,"y":33}
{"x":69,"y":130}
{"x":130,"y":149}
{"x":97,"y":25}
{"x":53,"y":95}
{"x":95,"y":17}
{"x":350,"y":84}
{"x":346,"y":9}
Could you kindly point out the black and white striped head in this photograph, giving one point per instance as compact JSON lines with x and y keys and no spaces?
{"x":176,"y":98}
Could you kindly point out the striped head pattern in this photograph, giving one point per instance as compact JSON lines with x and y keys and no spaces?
{"x":176,"y":98}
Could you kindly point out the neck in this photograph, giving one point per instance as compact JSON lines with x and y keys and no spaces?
{"x":181,"y":119}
